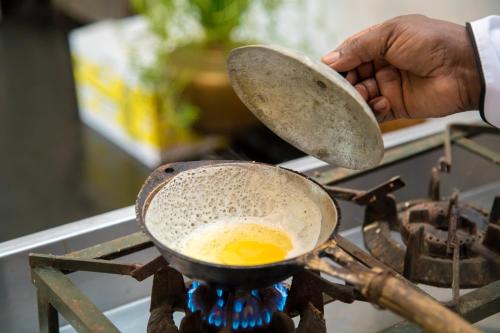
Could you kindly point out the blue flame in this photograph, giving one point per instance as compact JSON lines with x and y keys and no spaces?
{"x":236,"y":321}
{"x":281,"y":288}
{"x":238,"y":305}
{"x":247,"y":310}
{"x":217,"y":314}
{"x":267,"y":316}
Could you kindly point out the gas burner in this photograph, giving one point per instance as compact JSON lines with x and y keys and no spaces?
{"x":431,"y":230}
{"x":240,"y":310}
{"x":435,"y":218}
{"x":445,"y":242}
{"x":426,"y":254}
{"x":211,"y":310}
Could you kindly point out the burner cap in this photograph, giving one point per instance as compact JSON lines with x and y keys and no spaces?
{"x":307,"y":104}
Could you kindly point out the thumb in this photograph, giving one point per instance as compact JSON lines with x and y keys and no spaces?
{"x":367,"y":45}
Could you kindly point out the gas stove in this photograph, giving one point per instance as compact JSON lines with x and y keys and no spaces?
{"x":438,"y":240}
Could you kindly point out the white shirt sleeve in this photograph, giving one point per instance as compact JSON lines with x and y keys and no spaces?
{"x":485,"y":35}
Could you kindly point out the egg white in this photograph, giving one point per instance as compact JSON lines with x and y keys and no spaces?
{"x":207,"y":242}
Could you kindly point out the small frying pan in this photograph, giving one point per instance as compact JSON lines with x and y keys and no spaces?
{"x":177,"y":198}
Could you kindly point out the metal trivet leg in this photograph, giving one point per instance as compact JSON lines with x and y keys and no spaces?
{"x":306,"y":298}
{"x":48,"y":320}
{"x":282,"y":323}
{"x":304,"y":289}
{"x":191,"y":323}
{"x":311,"y":320}
{"x":168,"y":295}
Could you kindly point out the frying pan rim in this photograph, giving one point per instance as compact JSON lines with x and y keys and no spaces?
{"x":287,"y":262}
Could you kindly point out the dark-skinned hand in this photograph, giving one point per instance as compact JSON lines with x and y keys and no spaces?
{"x":411,"y":67}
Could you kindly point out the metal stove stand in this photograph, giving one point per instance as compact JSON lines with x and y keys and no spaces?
{"x":56,"y":293}
{"x":308,"y":294}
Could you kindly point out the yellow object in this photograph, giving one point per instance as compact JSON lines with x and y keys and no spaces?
{"x":131,"y":109}
{"x":240,"y":244}
{"x":254,"y":244}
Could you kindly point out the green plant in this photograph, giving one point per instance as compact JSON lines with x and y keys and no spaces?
{"x":167,"y":82}
{"x":218,"y":17}
{"x":217,"y":20}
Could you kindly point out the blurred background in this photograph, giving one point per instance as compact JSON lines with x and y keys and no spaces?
{"x":95,"y":94}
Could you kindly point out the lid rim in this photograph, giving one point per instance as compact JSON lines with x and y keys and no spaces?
{"x":357,"y":151}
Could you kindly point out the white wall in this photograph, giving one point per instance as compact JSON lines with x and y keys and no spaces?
{"x":317,"y":26}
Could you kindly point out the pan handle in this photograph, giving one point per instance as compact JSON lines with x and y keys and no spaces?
{"x":383,"y":288}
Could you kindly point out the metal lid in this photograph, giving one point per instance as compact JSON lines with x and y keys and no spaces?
{"x":307,"y":104}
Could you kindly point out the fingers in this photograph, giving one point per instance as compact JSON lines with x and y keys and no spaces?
{"x":389,"y":84}
{"x":362,"y":48}
{"x":368,"y":89}
{"x":365,"y":70}
{"x":380,"y":105}
{"x":380,"y":84}
{"x":352,"y":77}
{"x":362,"y":72}
{"x":381,"y":109}
{"x":384,"y":94}
{"x":333,"y":55}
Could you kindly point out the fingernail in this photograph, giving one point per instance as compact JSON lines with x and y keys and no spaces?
{"x":380,"y":105}
{"x":331,"y":58}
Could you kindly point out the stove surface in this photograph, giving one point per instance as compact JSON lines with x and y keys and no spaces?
{"x":126,"y":303}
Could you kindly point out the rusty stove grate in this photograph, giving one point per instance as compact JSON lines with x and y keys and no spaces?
{"x":446,"y":242}
{"x":308,"y":292}
{"x":57,"y":293}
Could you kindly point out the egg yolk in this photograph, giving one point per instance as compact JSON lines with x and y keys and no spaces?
{"x":253,"y":244}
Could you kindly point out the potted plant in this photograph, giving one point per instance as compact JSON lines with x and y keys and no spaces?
{"x":192,"y":77}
